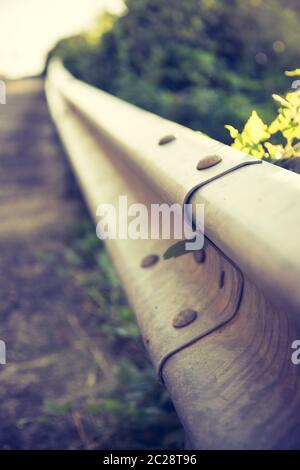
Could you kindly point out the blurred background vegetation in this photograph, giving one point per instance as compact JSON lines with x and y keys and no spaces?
{"x":202,"y":63}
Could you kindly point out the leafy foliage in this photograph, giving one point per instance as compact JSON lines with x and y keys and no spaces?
{"x":199,"y":62}
{"x":278,"y":141}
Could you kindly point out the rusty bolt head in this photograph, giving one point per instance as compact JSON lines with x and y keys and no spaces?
{"x":166,"y":139}
{"x":149,"y":260}
{"x":208,"y":162}
{"x":184,"y":318}
{"x":199,"y":256}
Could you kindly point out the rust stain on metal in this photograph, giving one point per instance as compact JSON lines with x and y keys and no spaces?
{"x":199,"y":256}
{"x":184,"y":318}
{"x":149,"y":260}
{"x":208,"y":162}
{"x":222,"y":279}
{"x":166,"y":139}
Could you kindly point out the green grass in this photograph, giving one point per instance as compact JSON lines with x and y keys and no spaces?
{"x":137,"y":413}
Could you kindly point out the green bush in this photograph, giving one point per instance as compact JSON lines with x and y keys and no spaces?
{"x":199,"y":62}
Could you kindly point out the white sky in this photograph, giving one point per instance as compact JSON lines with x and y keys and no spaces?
{"x":29,"y":28}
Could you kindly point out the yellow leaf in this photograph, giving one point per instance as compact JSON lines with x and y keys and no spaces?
{"x":291,"y":133}
{"x":293,"y":98}
{"x":281,"y":122}
{"x":281,"y":100}
{"x":275,"y":151}
{"x":232,"y":131}
{"x":292,"y":73}
{"x":257,"y":151}
{"x":255,"y":130}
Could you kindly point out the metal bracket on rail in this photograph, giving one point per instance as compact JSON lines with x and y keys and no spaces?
{"x":237,"y":280}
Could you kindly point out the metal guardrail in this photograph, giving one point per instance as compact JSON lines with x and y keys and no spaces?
{"x":229,"y":372}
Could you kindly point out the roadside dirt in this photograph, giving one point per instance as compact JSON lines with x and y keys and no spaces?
{"x":52,"y":347}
